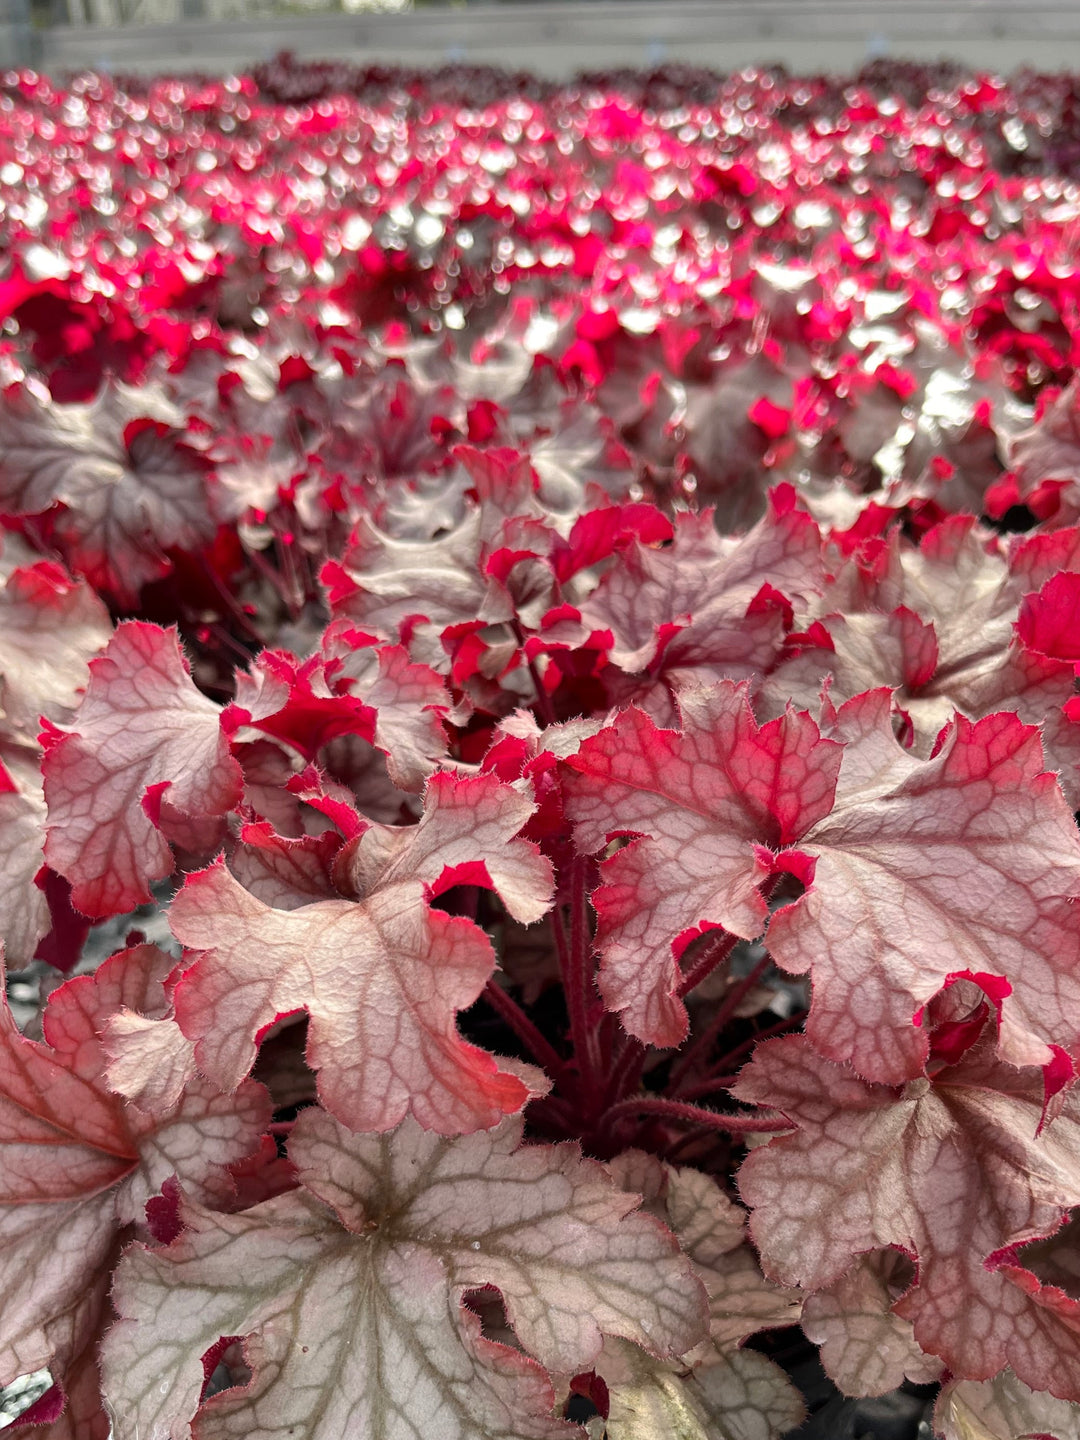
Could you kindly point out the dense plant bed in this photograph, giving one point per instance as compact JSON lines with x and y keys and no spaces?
{"x":538,"y":753}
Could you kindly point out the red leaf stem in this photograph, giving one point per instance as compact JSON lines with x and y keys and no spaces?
{"x":697,"y":1054}
{"x":685,"y":1143}
{"x":782,"y":1027}
{"x":684,"y":1114}
{"x":509,"y":1010}
{"x":718,"y":949}
{"x":626,"y":1072}
{"x":235,"y":610}
{"x":575,"y":954}
{"x":543,"y":699}
{"x":551,"y":1115}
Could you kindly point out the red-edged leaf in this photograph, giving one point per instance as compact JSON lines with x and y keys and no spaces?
{"x":952,"y":1170}
{"x":351,"y":1303}
{"x":687,"y":611}
{"x":383,"y":582}
{"x":860,"y":652}
{"x":285,"y":871}
{"x":131,"y":489}
{"x":1049,"y":449}
{"x":702,"y":800}
{"x":961,"y":865}
{"x":381,"y":1033}
{"x":50,"y":626}
{"x":74,"y":1410}
{"x":382,"y":976}
{"x":945,"y":641}
{"x":410,"y":703}
{"x":143,"y":733}
{"x":295,"y":702}
{"x":76,"y":1163}
{"x":465,"y":837}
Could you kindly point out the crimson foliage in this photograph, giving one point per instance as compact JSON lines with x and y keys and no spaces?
{"x":526,"y":578}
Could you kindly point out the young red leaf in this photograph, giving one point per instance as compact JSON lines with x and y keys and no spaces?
{"x":78,"y":1164}
{"x":952,"y":1170}
{"x":963,"y":865}
{"x":295,"y":702}
{"x":142,"y":734}
{"x":1048,"y":621}
{"x":351,"y":687}
{"x":703,"y":800}
{"x":350,"y":1291}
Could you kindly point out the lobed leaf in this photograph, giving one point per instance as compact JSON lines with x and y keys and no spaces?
{"x":1003,"y":1408}
{"x":965,"y":864}
{"x":704,"y":801}
{"x":953,"y":1170}
{"x":130,"y":487}
{"x":143,"y":735}
{"x":77,"y":1164}
{"x":866,"y":1348}
{"x":382,"y":976}
{"x":349,"y":1292}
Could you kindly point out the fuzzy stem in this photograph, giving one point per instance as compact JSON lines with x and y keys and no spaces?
{"x":698,"y":1052}
{"x":295,"y":590}
{"x":713,"y":954}
{"x":574,"y":953}
{"x":780,"y":1028}
{"x":692,"y":1115}
{"x":241,"y":655}
{"x":607,"y":1037}
{"x":236,"y":611}
{"x":543,"y":699}
{"x":625,"y":1074}
{"x":510,"y":1011}
{"x":707,"y":1087}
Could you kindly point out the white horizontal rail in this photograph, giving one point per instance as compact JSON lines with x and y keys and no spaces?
{"x":557,"y":39}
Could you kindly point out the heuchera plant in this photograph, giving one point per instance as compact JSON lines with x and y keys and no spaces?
{"x":538,"y":753}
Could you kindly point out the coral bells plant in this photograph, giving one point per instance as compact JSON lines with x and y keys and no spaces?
{"x":538,"y":755}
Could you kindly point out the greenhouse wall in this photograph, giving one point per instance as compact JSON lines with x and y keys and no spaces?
{"x":553,"y":39}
